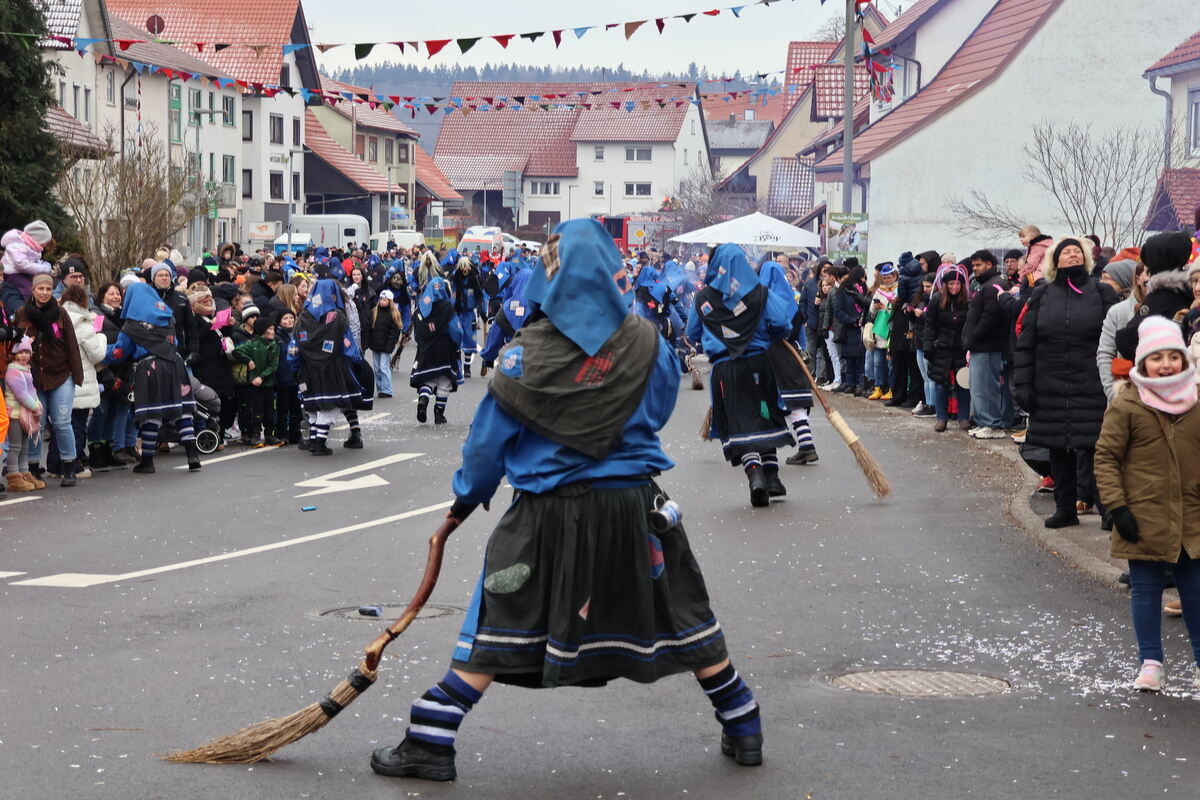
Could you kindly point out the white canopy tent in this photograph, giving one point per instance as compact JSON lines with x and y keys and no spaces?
{"x":754,"y":230}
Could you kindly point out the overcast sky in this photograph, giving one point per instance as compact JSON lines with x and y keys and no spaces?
{"x":757,"y":42}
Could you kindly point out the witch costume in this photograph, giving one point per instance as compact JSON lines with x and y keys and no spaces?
{"x":162,"y":389}
{"x":794,"y":388}
{"x":321,"y":351}
{"x":577,"y":586}
{"x":438,"y":331}
{"x":735,"y":321}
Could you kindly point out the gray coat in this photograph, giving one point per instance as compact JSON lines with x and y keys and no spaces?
{"x":1118,"y":317}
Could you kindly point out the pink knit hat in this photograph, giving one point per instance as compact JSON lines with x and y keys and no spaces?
{"x":23,"y":346}
{"x":1158,"y":333}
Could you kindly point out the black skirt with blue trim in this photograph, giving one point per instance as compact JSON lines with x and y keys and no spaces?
{"x":748,"y":414}
{"x":577,"y":589}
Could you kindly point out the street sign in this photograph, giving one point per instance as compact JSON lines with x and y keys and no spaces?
{"x":512,"y":189}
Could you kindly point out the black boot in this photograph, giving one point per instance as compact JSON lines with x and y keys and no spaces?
{"x":114,"y":461}
{"x":439,"y":415}
{"x":805,"y":455}
{"x":1062,"y":519}
{"x":415,"y":759}
{"x":355,"y":441}
{"x":759,"y":496}
{"x":97,"y":459}
{"x":68,"y":474}
{"x":423,"y":409}
{"x":146,"y":465}
{"x":775,"y":487}
{"x":746,"y":750}
{"x":319,"y":448}
{"x":193,"y":455}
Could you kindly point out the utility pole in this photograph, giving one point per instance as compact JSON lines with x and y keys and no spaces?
{"x":849,"y":45}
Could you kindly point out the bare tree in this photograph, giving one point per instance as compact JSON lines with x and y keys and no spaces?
{"x":131,"y":203}
{"x":1099,"y":182}
{"x":833,"y":30}
{"x":697,"y":202}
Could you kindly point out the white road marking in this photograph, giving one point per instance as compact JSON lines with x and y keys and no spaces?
{"x":326,"y":484}
{"x":16,"y":500}
{"x":10,"y":574}
{"x":362,"y":420}
{"x":251,"y":452}
{"x":78,"y":580}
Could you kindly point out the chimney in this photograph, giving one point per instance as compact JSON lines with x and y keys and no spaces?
{"x":733,"y":117}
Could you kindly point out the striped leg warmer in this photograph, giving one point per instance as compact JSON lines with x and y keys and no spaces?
{"x":352,"y":419}
{"x":801,"y":428}
{"x":187,"y":432}
{"x":440,"y":403}
{"x":735,"y":706}
{"x":435,"y":717}
{"x":770,"y":459}
{"x":148,"y":430}
{"x":750,"y":461}
{"x":318,"y":432}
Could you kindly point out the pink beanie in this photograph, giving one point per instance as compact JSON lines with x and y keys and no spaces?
{"x":1158,"y":333}
{"x":23,"y":346}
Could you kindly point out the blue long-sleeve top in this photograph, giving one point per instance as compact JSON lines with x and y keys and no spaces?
{"x":499,"y":446}
{"x":124,"y":349}
{"x":775,"y":323}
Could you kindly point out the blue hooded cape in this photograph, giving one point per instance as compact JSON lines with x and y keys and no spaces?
{"x":730,"y":273}
{"x":324,"y":297}
{"x":143,"y":304}
{"x":771,"y":275}
{"x":451,"y":258}
{"x":583,"y":300}
{"x":436,"y":289}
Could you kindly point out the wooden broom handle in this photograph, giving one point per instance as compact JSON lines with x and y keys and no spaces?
{"x":811,"y":382}
{"x":433,"y":566}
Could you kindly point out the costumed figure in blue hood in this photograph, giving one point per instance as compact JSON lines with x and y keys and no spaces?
{"x":439,"y":334}
{"x":162,"y":389}
{"x":428,"y":269}
{"x":794,"y":387}
{"x":735,"y":320}
{"x":468,"y":299}
{"x":395,"y":280}
{"x":514,"y":310}
{"x":654,"y":300}
{"x":322,"y":350}
{"x":579,"y":586}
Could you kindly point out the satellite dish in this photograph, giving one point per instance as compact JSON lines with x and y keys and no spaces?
{"x":156,"y":25}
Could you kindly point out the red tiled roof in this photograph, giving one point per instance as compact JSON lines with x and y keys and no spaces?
{"x":62,"y":19}
{"x":791,"y":191}
{"x":862,"y":115}
{"x":160,"y":55}
{"x":906,"y":23}
{"x":430,"y":177}
{"x":829,"y":80}
{"x":770,"y":107}
{"x":69,"y":131}
{"x":1183,"y":54}
{"x":318,"y":140}
{"x":233,"y":22}
{"x":652,"y":123}
{"x":981,"y":58}
{"x":378,"y":118}
{"x":801,"y":56}
{"x":1175,"y":200}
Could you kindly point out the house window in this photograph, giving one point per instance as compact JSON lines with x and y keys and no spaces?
{"x":194,"y":100}
{"x":373,"y":149}
{"x":748,"y":113}
{"x":389,"y":151}
{"x":685,"y":156}
{"x":637,"y":190}
{"x":176,"y":112}
{"x":637,"y":153}
{"x":402,"y":152}
{"x":62,"y":94}
{"x":212,"y":166}
{"x":1194,"y":114}
{"x":212,"y":106}
{"x":248,"y":183}
{"x":295,"y":131}
{"x":598,"y":188}
{"x":360,"y":146}
{"x":228,"y":169}
{"x":228,"y":111}
{"x":87,"y":104}
{"x":285,"y":75}
{"x":693,"y":127}
{"x":544,"y":188}
{"x":247,"y":125}
{"x":295,"y":186}
{"x":599,"y":152}
{"x":75,"y":101}
{"x":110,"y":87}
{"x":276,"y":129}
{"x":276,"y":185}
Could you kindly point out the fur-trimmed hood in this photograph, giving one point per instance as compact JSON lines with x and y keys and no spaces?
{"x":1050,"y":264}
{"x":1175,"y":280}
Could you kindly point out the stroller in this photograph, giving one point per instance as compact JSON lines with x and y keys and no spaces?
{"x":205,"y":420}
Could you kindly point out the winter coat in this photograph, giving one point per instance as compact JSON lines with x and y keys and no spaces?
{"x":285,"y":377}
{"x":988,"y":326}
{"x":1167,"y":294}
{"x":903,"y":331}
{"x":265,"y":355}
{"x":849,"y":310}
{"x":910,"y":278}
{"x":828,"y":320}
{"x":210,"y":362}
{"x":1117,"y":317}
{"x":1055,"y":377}
{"x":93,"y":347}
{"x":22,"y":260}
{"x":186,"y":328}
{"x":54,"y":359}
{"x":808,"y":304}
{"x":383,"y":334}
{"x":943,"y":342}
{"x":112,"y":377}
{"x":11,"y":298}
{"x":1150,"y":461}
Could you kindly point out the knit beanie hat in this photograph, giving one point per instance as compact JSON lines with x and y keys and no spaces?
{"x":1014,"y":254}
{"x":1164,"y":252}
{"x":1158,"y":333}
{"x":250,"y":311}
{"x":261,"y":326}
{"x":159,"y":267}
{"x":1063,"y":244}
{"x":24,"y":346}
{"x":39,"y":232}
{"x":1121,"y":272}
{"x":40,"y":278}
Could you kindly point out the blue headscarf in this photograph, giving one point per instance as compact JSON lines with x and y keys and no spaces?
{"x":648,"y":276}
{"x":772,"y":276}
{"x":516,"y":305}
{"x":325,"y":296}
{"x":450,"y":260}
{"x":143,"y":304}
{"x":436,"y":289}
{"x":674,"y":277}
{"x":729,"y":272}
{"x":583,"y":300}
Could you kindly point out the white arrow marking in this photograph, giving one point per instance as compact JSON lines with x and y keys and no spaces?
{"x":326,"y":484}
{"x":16,"y":500}
{"x":10,"y":574}
{"x":362,"y":420}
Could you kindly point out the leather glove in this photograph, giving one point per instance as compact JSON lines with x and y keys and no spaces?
{"x":1125,"y":523}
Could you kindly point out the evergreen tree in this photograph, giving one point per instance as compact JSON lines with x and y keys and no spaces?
{"x":30,"y":160}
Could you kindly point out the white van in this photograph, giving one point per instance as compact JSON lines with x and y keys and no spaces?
{"x":403,"y":239}
{"x":481,"y":237}
{"x":299,"y":242}
{"x":332,"y":230}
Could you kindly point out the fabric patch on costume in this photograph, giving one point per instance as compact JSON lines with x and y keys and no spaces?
{"x":583,"y":611}
{"x":728,"y":332}
{"x":327,"y":346}
{"x":739,"y":309}
{"x":510,"y":365}
{"x":595,"y":368}
{"x":706,"y":308}
{"x":302,"y":336}
{"x":508,"y":580}
{"x":315,"y":301}
{"x":657,"y":565}
{"x":763,"y":411}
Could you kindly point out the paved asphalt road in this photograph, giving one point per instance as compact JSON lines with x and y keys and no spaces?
{"x":119,"y":649}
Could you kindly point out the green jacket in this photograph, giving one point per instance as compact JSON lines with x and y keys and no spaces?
{"x":264,"y":354}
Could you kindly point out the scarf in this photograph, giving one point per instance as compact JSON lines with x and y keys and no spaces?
{"x":45,"y":318}
{"x":1174,"y":394}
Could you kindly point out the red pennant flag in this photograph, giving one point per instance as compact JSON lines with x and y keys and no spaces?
{"x":504,"y":39}
{"x":712,"y":13}
{"x":867,"y":37}
{"x":125,"y":43}
{"x":394,"y":98}
{"x":557,"y":38}
{"x":434,"y":46}
{"x":398,"y":44}
{"x":611,"y":25}
{"x":170,"y":73}
{"x":661,"y":22}
{"x":199,"y":46}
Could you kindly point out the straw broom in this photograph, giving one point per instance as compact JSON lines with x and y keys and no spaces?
{"x":257,"y":742}
{"x":866,"y":462}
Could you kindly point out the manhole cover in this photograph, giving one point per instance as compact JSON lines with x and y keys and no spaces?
{"x":389,"y":612}
{"x":921,"y":683}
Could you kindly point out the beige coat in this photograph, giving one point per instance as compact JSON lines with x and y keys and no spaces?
{"x":1150,"y":461}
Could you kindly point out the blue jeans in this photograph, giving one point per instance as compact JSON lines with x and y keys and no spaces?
{"x":942,"y":404}
{"x":879,"y":369}
{"x":990,"y":398}
{"x":57,"y":404}
{"x":103,"y":424}
{"x":930,"y":386}
{"x":835,"y":356}
{"x":1146,"y":585}
{"x":383,"y":372}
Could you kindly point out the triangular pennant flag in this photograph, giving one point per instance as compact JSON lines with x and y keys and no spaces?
{"x":199,"y":46}
{"x":466,"y":44}
{"x":434,"y":46}
{"x":398,"y":44}
{"x":138,"y":66}
{"x":867,"y":37}
{"x":686,"y":17}
{"x":414,"y":45}
{"x":631,"y":28}
{"x":630,"y":105}
{"x":258,"y":49}
{"x":488,"y":100}
{"x":83,"y":44}
{"x":430,"y":107}
{"x":219,"y":47}
{"x":713,"y":13}
{"x":324,"y":48}
{"x":520,"y":98}
{"x":579,"y":32}
{"x":362,"y":50}
{"x":737,"y":10}
{"x":504,"y":39}
{"x":466,"y":110}
{"x":395,"y":99}
{"x":661,"y":22}
{"x":292,"y":47}
{"x":307,"y":94}
{"x":533,"y":37}
{"x":557,"y":38}
{"x":125,"y":43}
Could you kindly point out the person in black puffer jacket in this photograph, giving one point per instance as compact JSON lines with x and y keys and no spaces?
{"x":945,"y":316}
{"x":986,"y":336}
{"x":1168,"y":293}
{"x":1055,"y":377}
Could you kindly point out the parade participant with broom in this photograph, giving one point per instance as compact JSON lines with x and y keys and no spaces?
{"x":794,"y":387}
{"x":588,"y":576}
{"x":735,"y":321}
